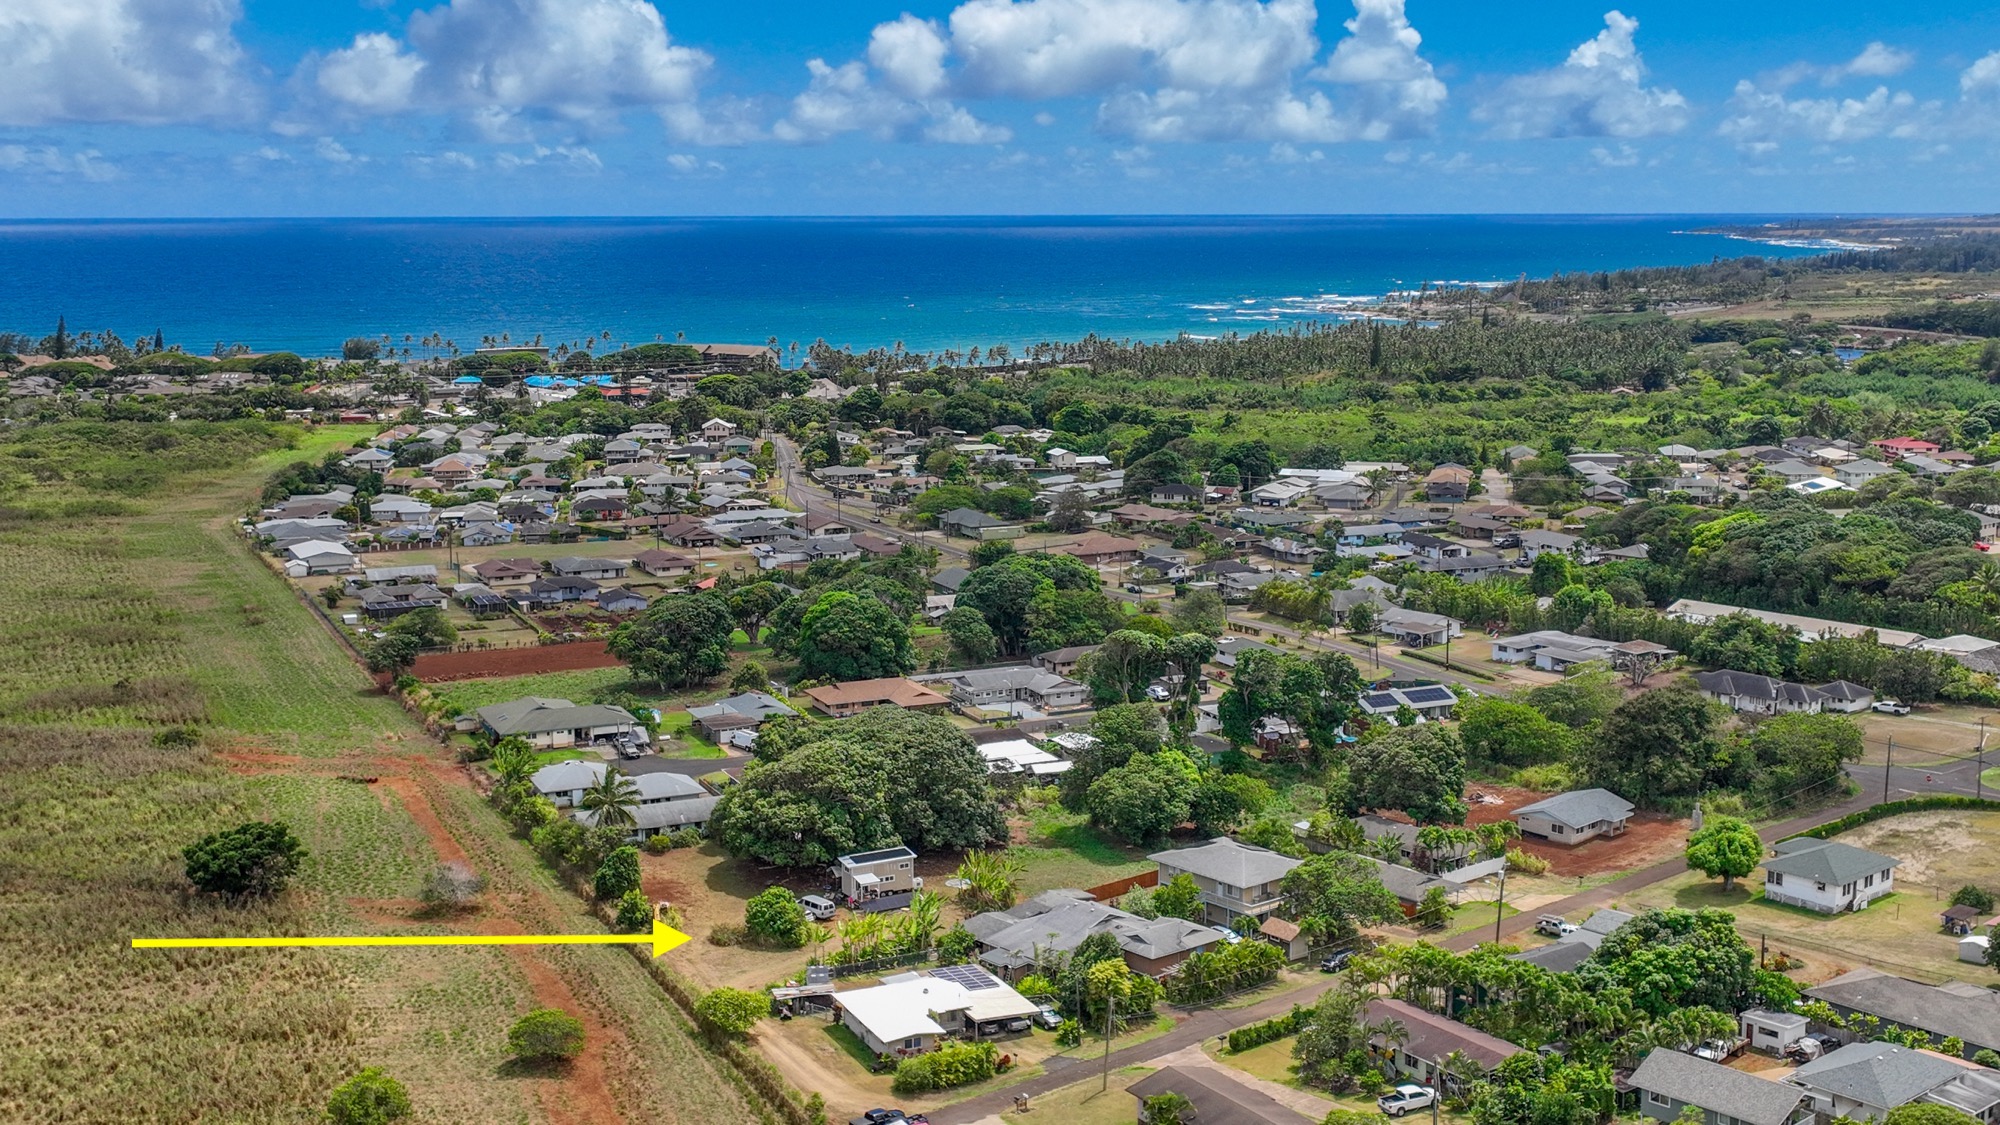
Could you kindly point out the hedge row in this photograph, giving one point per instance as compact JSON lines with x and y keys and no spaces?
{"x":1854,"y":820}
{"x":1258,"y":1034}
{"x":952,"y":1064}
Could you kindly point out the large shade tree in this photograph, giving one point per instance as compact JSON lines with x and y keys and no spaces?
{"x":677,"y":641}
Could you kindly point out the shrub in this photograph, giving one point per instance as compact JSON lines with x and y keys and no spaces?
{"x":546,"y":1035}
{"x":1554,"y":777}
{"x":952,"y":1064}
{"x":1069,"y":1033}
{"x":635,"y":911}
{"x":249,"y":859}
{"x":1269,"y":1031}
{"x":659,"y":843}
{"x":774,"y":916}
{"x":686,"y":837}
{"x":182,"y":737}
{"x":1977,"y":898}
{"x":1518,"y":860}
{"x":369,"y":1098}
{"x":451,"y":886}
{"x":956,"y":946}
{"x":617,"y":874}
{"x":1221,"y":971}
{"x":731,"y":1011}
{"x":1988,"y":1058}
{"x":727,"y":933}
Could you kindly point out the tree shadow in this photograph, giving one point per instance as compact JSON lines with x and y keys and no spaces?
{"x":533,"y":1068}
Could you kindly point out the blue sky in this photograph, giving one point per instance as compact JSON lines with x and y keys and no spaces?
{"x":624,"y":107}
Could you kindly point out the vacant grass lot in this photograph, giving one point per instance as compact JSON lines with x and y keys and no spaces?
{"x":1900,"y":933}
{"x":164,"y":618}
{"x":1059,"y":848}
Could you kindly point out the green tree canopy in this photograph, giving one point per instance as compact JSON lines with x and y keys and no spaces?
{"x":731,"y":1011}
{"x":775,"y":916}
{"x":373,"y":1098}
{"x":1725,"y":846}
{"x":250,"y":859}
{"x":1502,"y":732}
{"x":851,"y":637}
{"x":546,"y":1035}
{"x":1334,"y":894}
{"x":1419,"y":770}
{"x":1654,"y":747}
{"x":1144,"y":799}
{"x":1673,"y":959}
{"x":677,"y":641}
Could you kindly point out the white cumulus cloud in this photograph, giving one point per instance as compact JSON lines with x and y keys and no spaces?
{"x":52,"y":162}
{"x":1876,"y":60}
{"x":1599,"y":91}
{"x":136,"y":61}
{"x":1981,"y":76}
{"x":508,"y":63}
{"x":1761,"y":119}
{"x":1162,"y":70}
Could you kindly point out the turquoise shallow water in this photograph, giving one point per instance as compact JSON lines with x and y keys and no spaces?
{"x":930,"y":283}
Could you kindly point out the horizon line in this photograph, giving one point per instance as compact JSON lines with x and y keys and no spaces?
{"x":997,"y":215}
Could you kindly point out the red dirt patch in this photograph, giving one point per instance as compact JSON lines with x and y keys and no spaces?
{"x":1650,"y":838}
{"x":419,"y":807}
{"x":443,"y":667}
{"x":582,"y":1092}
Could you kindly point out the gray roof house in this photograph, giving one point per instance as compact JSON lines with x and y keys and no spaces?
{"x":1216,"y":1097}
{"x":973,"y":524}
{"x":1864,"y":1081}
{"x":1235,"y":878}
{"x":1059,"y":920}
{"x":556,"y":722}
{"x":750,"y":709}
{"x":1669,"y":1081}
{"x":1557,"y":956}
{"x":1953,"y":1010}
{"x":1575,"y":816}
{"x":663,"y":816}
{"x":1827,"y":875}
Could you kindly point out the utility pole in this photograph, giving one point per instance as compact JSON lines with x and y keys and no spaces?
{"x":1110,"y":1007}
{"x":1500,"y":904}
{"x":1886,"y":760}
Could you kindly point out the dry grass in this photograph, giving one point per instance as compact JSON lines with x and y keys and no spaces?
{"x":1900,"y":933}
{"x":166,"y":618}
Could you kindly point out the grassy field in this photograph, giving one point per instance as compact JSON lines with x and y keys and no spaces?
{"x":1899,"y":933}
{"x":1062,"y":849}
{"x":167,"y":619}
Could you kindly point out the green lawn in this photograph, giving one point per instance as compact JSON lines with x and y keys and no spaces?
{"x":851,"y":1043}
{"x":1474,"y":916}
{"x":1084,"y":1103}
{"x":1065,"y":850}
{"x":684,"y":742}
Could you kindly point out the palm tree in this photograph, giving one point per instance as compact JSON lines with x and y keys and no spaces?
{"x":920,"y":925}
{"x":513,"y":761}
{"x":612,"y":798}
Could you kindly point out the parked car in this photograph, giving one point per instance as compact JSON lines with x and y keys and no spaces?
{"x":1228,"y":935}
{"x":1336,"y":961}
{"x":1719,"y":1050}
{"x":1554,"y":926}
{"x":880,"y":1115}
{"x":1405,"y":1098}
{"x":1891,"y":707}
{"x":1048,"y":1018}
{"x":1159,"y":693}
{"x":1134,"y":588}
{"x":818,"y":907}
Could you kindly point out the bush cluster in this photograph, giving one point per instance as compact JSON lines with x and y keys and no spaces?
{"x":953,"y":1064}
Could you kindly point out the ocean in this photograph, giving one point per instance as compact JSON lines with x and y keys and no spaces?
{"x":928,"y":283}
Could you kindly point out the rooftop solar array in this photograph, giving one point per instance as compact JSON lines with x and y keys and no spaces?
{"x":1379,"y":699}
{"x":972,"y":978}
{"x":1428,"y":695}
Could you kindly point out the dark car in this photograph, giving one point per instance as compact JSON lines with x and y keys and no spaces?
{"x":1336,"y":961}
{"x":880,"y":1115}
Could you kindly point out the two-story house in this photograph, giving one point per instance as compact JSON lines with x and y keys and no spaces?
{"x":1236,"y":879}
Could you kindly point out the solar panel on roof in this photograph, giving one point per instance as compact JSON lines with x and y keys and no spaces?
{"x":1379,"y":699}
{"x":1429,"y":695}
{"x":969,"y":977}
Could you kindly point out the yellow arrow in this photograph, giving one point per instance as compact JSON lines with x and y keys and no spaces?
{"x":663,"y":938}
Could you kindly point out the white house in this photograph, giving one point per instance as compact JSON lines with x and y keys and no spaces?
{"x":909,"y":1013}
{"x":1827,"y":875}
{"x":1758,"y":695}
{"x":1576,"y":816}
